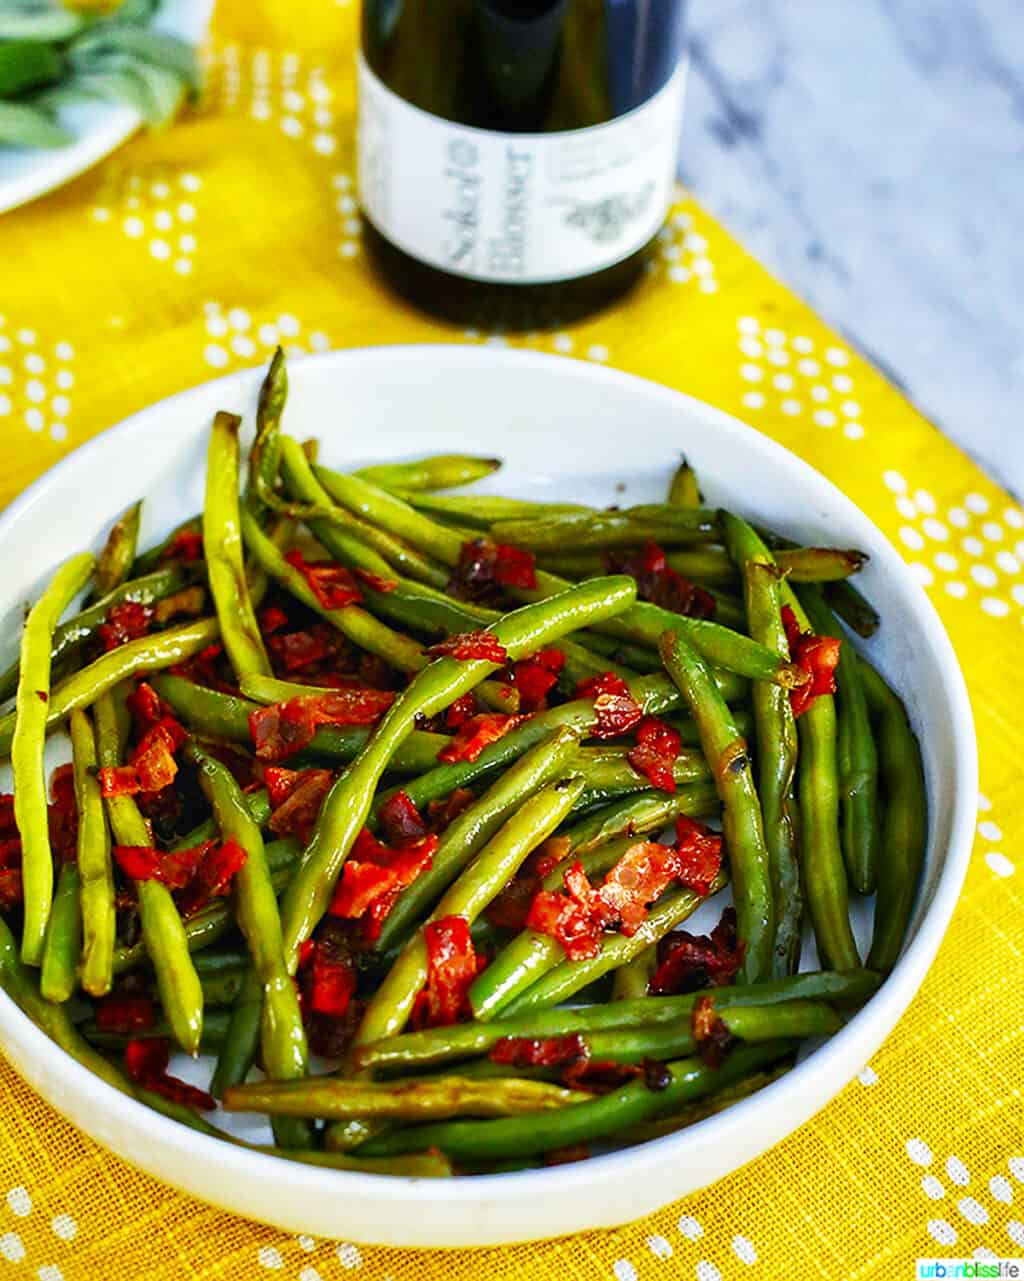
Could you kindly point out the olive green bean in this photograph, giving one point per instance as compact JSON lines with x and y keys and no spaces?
{"x":215,"y":1027}
{"x":684,"y":490}
{"x":584,"y":531}
{"x":631,"y":980}
{"x":99,"y":921}
{"x":904,"y":834}
{"x":820,"y":564}
{"x":118,"y":555}
{"x":28,"y":739}
{"x":58,"y":977}
{"x":852,"y":608}
{"x":742,"y":823}
{"x":437,"y":471}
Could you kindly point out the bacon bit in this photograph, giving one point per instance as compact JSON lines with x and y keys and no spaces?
{"x":146,"y":706}
{"x":567,"y":1155}
{"x":443,"y":813}
{"x":375,"y":581}
{"x":818,"y":656}
{"x":332,"y":585}
{"x":687,"y":962}
{"x":334,"y":984}
{"x":468,"y":647}
{"x":296,"y":797}
{"x":213,"y":876}
{"x":11,"y":890}
{"x":485,"y":566}
{"x":462,"y":710}
{"x":511,"y":907}
{"x":10,"y":851}
{"x":202,"y":669}
{"x":658,"y":583}
{"x":400,"y":820}
{"x":62,"y":814}
{"x":551,"y":1051}
{"x":8,"y":827}
{"x":189,"y":601}
{"x":656,"y":751}
{"x":564,"y":919}
{"x":285,"y":728}
{"x":152,"y":766}
{"x":42,"y":695}
{"x":700,"y":855}
{"x":599,"y":1076}
{"x":146,"y":1063}
{"x":124,"y":1013}
{"x":272,"y":619}
{"x":125,"y":622}
{"x":616,"y":710}
{"x":710,"y":1032}
{"x":306,"y":950}
{"x":474,"y":735}
{"x":187,"y":545}
{"x":452,"y":965}
{"x":372,"y":877}
{"x":535,"y":676}
{"x":637,"y":879}
{"x":299,"y":651}
{"x":173,"y":868}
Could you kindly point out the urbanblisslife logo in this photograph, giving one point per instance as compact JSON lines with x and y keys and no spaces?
{"x":970,"y":1269}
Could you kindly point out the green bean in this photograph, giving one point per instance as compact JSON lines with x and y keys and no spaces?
{"x":570,"y":977}
{"x":742,"y":824}
{"x":28,"y":738}
{"x":221,"y":986}
{"x":584,"y":531}
{"x":414,"y":1050}
{"x":631,"y":980}
{"x":824,"y":875}
{"x":353,"y":541}
{"x":222,"y":544}
{"x":431,"y":1165}
{"x":704,"y":563}
{"x":480,"y":883}
{"x":820,"y":564}
{"x":480,"y":511}
{"x":241,"y":1041}
{"x":684,"y":490}
{"x":148,"y":654}
{"x":265,"y":453}
{"x":852,"y":608}
{"x":82,"y":626}
{"x":413,"y":1100}
{"x":639,"y":815}
{"x":99,"y":921}
{"x":474,"y":827}
{"x":59,"y":974}
{"x":437,"y":471}
{"x":776,"y":740}
{"x":347,"y":805}
{"x":282,"y":1036}
{"x":202,"y":930}
{"x":215,"y":1026}
{"x":166,"y":942}
{"x":904,"y":833}
{"x":583,"y":1122}
{"x":118,"y":555}
{"x":710,"y":1105}
{"x":147,"y":562}
{"x":608,"y":769}
{"x":856,"y":755}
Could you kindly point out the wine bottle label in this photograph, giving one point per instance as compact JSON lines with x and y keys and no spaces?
{"x":519,"y":208}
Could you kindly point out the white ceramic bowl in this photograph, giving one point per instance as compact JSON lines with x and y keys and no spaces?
{"x":569,"y":430}
{"x":97,"y":128}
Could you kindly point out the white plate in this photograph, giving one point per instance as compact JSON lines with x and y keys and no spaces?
{"x":97,"y":128}
{"x":566,"y":429}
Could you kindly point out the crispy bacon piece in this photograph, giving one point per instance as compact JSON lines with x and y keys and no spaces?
{"x":443,"y":813}
{"x":637,"y":879}
{"x":333,"y":984}
{"x":151,"y":767}
{"x":212,"y":877}
{"x":173,"y":868}
{"x":818,"y":656}
{"x":125,"y":1013}
{"x":511,"y":907}
{"x":272,"y":619}
{"x":400,"y":820}
{"x":616,"y":710}
{"x":462,"y":710}
{"x":468,"y":647}
{"x":474,"y":735}
{"x":554,"y":913}
{"x":658,"y":583}
{"x":282,"y":729}
{"x":551,"y":1051}
{"x":314,"y":648}
{"x":656,"y":752}
{"x":8,"y":827}
{"x":11,"y":888}
{"x":700,"y":855}
{"x":146,"y":707}
{"x":125,"y":622}
{"x":710,"y":1032}
{"x":62,"y":814}
{"x":486,"y":566}
{"x":186,"y":545}
{"x":373,"y":876}
{"x":375,"y":581}
{"x":687,"y":962}
{"x":204,"y":667}
{"x":333,"y":585}
{"x":146,"y":1063}
{"x":452,"y":965}
{"x":296,"y":797}
{"x":535,"y":676}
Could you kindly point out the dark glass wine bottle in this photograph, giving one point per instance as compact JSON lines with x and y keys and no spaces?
{"x":516,"y":157}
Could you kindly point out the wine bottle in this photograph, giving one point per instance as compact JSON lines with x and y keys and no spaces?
{"x":516,"y":157}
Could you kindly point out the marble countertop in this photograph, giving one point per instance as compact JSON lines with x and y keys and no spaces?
{"x":872,"y":156}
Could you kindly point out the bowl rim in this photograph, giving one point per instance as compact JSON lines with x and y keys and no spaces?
{"x":830,"y":1060}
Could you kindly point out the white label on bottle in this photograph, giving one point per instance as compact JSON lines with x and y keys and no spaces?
{"x":521,"y":208}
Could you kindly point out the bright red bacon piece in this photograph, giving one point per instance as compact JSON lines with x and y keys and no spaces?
{"x":818,"y":656}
